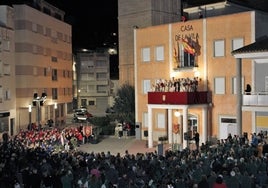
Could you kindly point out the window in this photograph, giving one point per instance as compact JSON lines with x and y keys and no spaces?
{"x":91,"y":76}
{"x":145,"y":54}
{"x":145,"y":119}
{"x":1,"y":94}
{"x":6,"y":45}
{"x":186,"y":57}
{"x":219,"y":48}
{"x":101,"y":76}
{"x":101,"y":63}
{"x":234,"y":85}
{"x":219,"y":85}
{"x":45,"y":71}
{"x":83,"y":102}
{"x":54,"y":59}
{"x":34,"y":27}
{"x":146,"y":86}
{"x":1,"y":68}
{"x":161,"y":120}
{"x":101,"y":89}
{"x":7,"y":94}
{"x":91,"y":102}
{"x":7,"y":69}
{"x":159,"y":53}
{"x":237,"y":43}
{"x":54,"y":74}
{"x":54,"y":93}
{"x":90,"y":88}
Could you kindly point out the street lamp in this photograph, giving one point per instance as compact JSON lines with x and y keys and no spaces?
{"x":30,"y":116}
{"x":39,"y":101}
{"x":55,"y":110}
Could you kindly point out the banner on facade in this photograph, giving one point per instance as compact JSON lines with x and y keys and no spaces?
{"x":87,"y":130}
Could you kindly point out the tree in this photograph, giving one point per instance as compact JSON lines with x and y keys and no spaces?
{"x":124,"y":106}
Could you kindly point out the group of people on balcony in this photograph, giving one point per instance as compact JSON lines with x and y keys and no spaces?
{"x":176,"y":85}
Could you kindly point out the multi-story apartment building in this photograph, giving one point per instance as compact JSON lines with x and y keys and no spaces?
{"x":93,"y":80}
{"x":138,"y":14}
{"x":7,"y":71}
{"x":199,"y":51}
{"x":42,"y":69}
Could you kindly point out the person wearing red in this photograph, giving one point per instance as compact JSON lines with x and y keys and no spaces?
{"x":219,"y":183}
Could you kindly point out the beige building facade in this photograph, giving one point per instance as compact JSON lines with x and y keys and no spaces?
{"x":7,"y":71}
{"x":40,"y":65}
{"x":199,"y":49}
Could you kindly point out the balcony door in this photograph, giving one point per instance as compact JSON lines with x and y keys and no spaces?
{"x":227,"y":125}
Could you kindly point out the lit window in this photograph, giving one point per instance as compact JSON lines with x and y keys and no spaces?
{"x":237,"y":43}
{"x":146,"y":86}
{"x":219,"y":48}
{"x":159,"y":53}
{"x":54,"y":74}
{"x":145,"y":54}
{"x":145,"y":119}
{"x":54,"y":93}
{"x":219,"y":85}
{"x":234,"y":85}
{"x":161,"y":121}
{"x":7,"y":69}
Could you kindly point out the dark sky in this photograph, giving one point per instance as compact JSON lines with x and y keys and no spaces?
{"x":93,"y":22}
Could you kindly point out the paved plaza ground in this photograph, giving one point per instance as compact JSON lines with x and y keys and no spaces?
{"x":116,"y":145}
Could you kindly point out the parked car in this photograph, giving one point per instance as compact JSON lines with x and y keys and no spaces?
{"x":82,"y":114}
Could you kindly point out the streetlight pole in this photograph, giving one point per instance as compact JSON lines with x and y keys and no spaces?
{"x":39,"y":101}
{"x":30,"y":116}
{"x":55,"y":113}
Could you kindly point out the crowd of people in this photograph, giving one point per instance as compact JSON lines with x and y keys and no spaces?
{"x":233,"y":163}
{"x":176,"y":85}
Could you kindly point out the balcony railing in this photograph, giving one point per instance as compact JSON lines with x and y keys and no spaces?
{"x":255,"y":99}
{"x":178,"y":97}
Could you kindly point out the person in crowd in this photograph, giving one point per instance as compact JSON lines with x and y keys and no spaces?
{"x":204,"y":182}
{"x":254,"y":140}
{"x":219,"y":182}
{"x":178,"y":168}
{"x":196,"y":139}
{"x":248,"y":89}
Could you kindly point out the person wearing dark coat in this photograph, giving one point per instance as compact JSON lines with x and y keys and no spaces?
{"x":204,"y":182}
{"x":196,"y":139}
{"x":35,"y":179}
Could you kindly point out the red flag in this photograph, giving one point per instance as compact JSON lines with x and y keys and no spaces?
{"x":187,"y":47}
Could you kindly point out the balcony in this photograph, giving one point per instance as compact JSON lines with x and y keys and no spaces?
{"x":256,"y":99}
{"x":178,"y":97}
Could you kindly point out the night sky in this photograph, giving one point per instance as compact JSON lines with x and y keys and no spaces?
{"x":93,"y":25}
{"x":93,"y":22}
